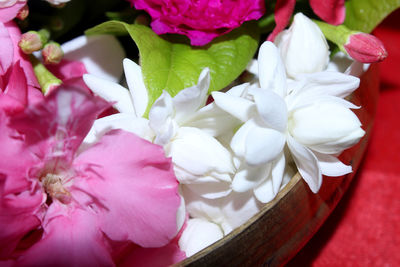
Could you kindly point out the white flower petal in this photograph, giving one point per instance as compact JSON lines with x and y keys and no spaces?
{"x":337,"y":146}
{"x":357,"y":69}
{"x":248,"y":177}
{"x":125,"y":121}
{"x":305,"y":100}
{"x":199,"y":153}
{"x":331,"y":166}
{"x":180,"y":215}
{"x":211,"y":190}
{"x":134,"y":79}
{"x":340,"y":62}
{"x":252,"y":67}
{"x":238,"y":142}
{"x":239,"y":90}
{"x":199,"y":234}
{"x":110,"y":91}
{"x":238,"y":107}
{"x":199,"y":207}
{"x":306,"y":163}
{"x":265,"y":191}
{"x":189,"y":100}
{"x":325,"y":127}
{"x":271,"y":107}
{"x":268,"y":189}
{"x":90,"y":51}
{"x":304,"y":48}
{"x":161,"y":119}
{"x":331,"y":83}
{"x":238,"y":209}
{"x":213,"y":120}
{"x":277,"y":173}
{"x":271,"y":70}
{"x":263,"y":145}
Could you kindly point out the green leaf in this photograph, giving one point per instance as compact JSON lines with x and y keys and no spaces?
{"x":174,"y":66}
{"x":365,"y":15}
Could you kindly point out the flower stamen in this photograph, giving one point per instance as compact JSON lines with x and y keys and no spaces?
{"x":53,"y":185}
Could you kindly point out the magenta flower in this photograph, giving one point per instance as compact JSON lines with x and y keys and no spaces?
{"x":61,"y":205}
{"x":331,"y":11}
{"x":201,"y":20}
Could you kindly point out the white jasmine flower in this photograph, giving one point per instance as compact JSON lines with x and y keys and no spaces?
{"x":308,"y":114}
{"x":303,"y":47}
{"x":175,"y":123}
{"x":199,"y":234}
{"x":227,"y":212}
{"x":211,"y":219}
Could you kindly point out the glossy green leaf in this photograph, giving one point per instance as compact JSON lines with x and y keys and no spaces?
{"x":365,"y":15}
{"x":173,"y":66}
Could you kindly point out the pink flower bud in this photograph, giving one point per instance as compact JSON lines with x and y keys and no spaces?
{"x":30,"y":42}
{"x":52,"y":53}
{"x":33,"y":41}
{"x":23,"y":13}
{"x":365,"y":48}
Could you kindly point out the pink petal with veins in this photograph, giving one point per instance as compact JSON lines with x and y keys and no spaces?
{"x":135,"y":184}
{"x":56,"y":126}
{"x":69,"y":239}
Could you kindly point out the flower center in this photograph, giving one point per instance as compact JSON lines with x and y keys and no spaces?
{"x":53,"y":185}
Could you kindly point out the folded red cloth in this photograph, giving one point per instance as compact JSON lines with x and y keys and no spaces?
{"x":364,"y":229}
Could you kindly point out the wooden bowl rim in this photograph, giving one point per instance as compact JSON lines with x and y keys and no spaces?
{"x":237,"y":231}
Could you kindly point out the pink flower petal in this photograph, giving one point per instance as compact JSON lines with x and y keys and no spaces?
{"x":17,"y":218}
{"x":331,"y":11}
{"x":136,"y":186}
{"x":14,"y":160}
{"x":56,"y":126}
{"x":6,"y":49}
{"x":283,"y":12}
{"x":16,"y":89}
{"x":70,"y":72}
{"x":15,"y":35}
{"x":72,"y":239}
{"x":155,"y":257}
{"x":9,"y":13}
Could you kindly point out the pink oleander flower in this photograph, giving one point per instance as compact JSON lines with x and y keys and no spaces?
{"x":202,"y":20}
{"x":18,"y":84}
{"x":331,"y":11}
{"x":62,"y":205}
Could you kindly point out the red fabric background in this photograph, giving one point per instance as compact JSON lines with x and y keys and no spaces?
{"x":364,"y":229}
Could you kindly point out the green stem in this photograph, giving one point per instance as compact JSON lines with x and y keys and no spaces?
{"x":336,"y":34}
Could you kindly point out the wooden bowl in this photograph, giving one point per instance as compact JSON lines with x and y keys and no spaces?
{"x":275,"y":234}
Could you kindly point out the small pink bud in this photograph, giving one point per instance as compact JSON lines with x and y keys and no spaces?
{"x":365,"y":48}
{"x":52,"y":53}
{"x":23,"y":13}
{"x":30,"y":42}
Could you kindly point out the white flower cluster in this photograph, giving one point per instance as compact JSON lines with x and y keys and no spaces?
{"x":234,"y":154}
